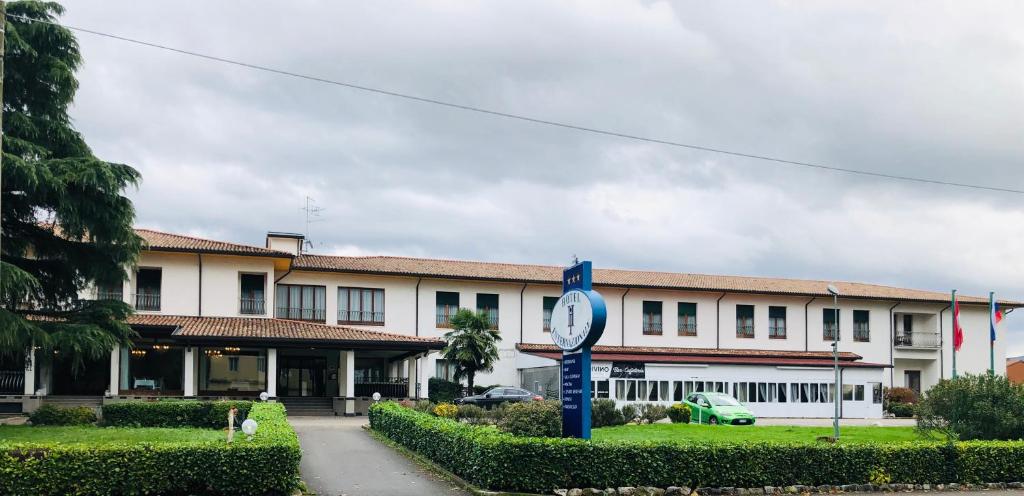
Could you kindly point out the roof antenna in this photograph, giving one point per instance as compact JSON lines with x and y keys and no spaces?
{"x":312,"y":215}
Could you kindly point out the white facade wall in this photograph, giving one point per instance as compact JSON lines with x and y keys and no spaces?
{"x":521,"y":315}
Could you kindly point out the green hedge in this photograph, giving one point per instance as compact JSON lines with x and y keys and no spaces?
{"x":499,"y":461}
{"x":60,"y":415}
{"x":173,"y":413}
{"x":442,"y":391}
{"x":269,"y":464}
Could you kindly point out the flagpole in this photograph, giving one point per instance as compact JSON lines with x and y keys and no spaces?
{"x":992,"y":332}
{"x":953,"y":306}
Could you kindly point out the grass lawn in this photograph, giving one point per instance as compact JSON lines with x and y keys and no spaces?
{"x":695,"y":433}
{"x":91,"y":435}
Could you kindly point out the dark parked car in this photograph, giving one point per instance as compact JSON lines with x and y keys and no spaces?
{"x":498,"y":395}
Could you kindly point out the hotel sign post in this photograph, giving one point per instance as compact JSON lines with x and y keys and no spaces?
{"x":577,"y":322}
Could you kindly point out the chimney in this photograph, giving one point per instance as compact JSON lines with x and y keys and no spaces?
{"x":286,"y":242}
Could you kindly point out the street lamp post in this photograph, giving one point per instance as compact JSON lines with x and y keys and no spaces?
{"x":835,"y":359}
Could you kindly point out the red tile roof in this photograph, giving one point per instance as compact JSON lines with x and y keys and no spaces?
{"x":161,"y":241}
{"x":706,"y":356}
{"x":269,"y":329}
{"x":544,"y":274}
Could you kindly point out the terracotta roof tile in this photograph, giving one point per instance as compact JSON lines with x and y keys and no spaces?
{"x":161,"y":241}
{"x":276,"y":329}
{"x":543,"y":274}
{"x":706,"y":356}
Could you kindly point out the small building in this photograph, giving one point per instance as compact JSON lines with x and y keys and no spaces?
{"x":1015,"y":369}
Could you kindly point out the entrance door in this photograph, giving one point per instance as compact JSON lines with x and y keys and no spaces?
{"x":912,"y":380}
{"x":301,"y":376}
{"x":91,"y":379}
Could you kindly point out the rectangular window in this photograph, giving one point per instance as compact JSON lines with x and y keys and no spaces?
{"x":876,"y":392}
{"x":847,"y":392}
{"x":652,"y":317}
{"x":549,"y":308}
{"x":110,"y":291}
{"x":620,"y":390}
{"x":861,"y":330}
{"x":858,"y":392}
{"x":687,"y":319}
{"x":677,"y":390}
{"x":147,"y":289}
{"x":444,"y":369}
{"x":488,"y":304}
{"x":600,"y":389}
{"x":252,"y":294}
{"x":777,"y":322}
{"x":232,"y":370}
{"x":150,"y":367}
{"x":447,"y":306}
{"x":744,"y":321}
{"x":829,"y":323}
{"x":363,"y":306}
{"x":782,"y":393}
{"x":631,"y":390}
{"x":233,"y":364}
{"x":299,"y":302}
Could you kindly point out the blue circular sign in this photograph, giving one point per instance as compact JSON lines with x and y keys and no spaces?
{"x":578,"y":319}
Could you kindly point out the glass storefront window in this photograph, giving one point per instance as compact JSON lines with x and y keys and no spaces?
{"x":232,"y":370}
{"x":152,"y":368}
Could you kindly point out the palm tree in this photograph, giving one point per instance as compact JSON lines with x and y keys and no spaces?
{"x":471,"y":345}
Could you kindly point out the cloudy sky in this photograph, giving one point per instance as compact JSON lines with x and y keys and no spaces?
{"x":931,"y":89}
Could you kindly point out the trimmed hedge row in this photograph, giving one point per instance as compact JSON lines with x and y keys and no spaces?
{"x":269,"y":464}
{"x":174,"y":413}
{"x":500,"y":461}
{"x":60,"y":415}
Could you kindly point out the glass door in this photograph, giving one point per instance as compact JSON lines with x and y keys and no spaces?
{"x":301,"y":376}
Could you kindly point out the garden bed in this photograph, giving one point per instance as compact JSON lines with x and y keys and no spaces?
{"x":498,"y":461}
{"x":104,"y":460}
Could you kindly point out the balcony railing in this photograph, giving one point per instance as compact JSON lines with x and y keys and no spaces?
{"x":444,"y":318}
{"x":547,"y":323}
{"x":147,"y":302}
{"x":105,"y":294}
{"x":251,"y":306}
{"x":830,"y":331}
{"x":360,"y":317}
{"x":492,"y":320}
{"x":652,"y":327}
{"x":687,"y":328}
{"x":310,"y":314}
{"x":861,"y":333}
{"x":12,"y":381}
{"x":389,"y":387}
{"x":744,"y":330}
{"x":917,"y":340}
{"x":777,"y":332}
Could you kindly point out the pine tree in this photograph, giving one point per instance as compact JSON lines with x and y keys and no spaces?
{"x":64,"y":222}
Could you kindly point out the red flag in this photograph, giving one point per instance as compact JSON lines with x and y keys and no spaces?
{"x":958,"y":332}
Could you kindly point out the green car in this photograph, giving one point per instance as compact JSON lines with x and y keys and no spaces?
{"x":717,"y":408}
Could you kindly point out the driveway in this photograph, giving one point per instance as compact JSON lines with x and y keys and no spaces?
{"x":340,"y":458}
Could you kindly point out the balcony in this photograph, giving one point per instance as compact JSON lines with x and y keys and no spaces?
{"x":687,"y":328}
{"x":917,"y":340}
{"x":147,"y":302}
{"x":251,"y":306}
{"x":109,"y":295}
{"x":388,"y":387}
{"x":652,"y":327}
{"x":360,"y":317}
{"x":12,"y":381}
{"x":308,"y":314}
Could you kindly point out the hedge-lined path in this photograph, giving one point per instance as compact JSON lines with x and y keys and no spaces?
{"x":340,"y":457}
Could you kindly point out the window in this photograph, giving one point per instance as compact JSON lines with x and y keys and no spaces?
{"x":361,"y":306}
{"x":549,"y":308}
{"x":861,"y":330}
{"x":232,"y":370}
{"x":233,"y":364}
{"x":147,"y":289}
{"x":777,"y":322}
{"x":252,"y":297}
{"x":599,"y":389}
{"x":652,"y":317}
{"x":677,"y":390}
{"x":687,"y":319}
{"x":744,"y":321}
{"x":299,"y":302}
{"x":447,"y":306}
{"x":150,"y":367}
{"x":110,"y":291}
{"x":858,"y":392}
{"x":876,"y":392}
{"x":847,"y":392}
{"x":444,"y":369}
{"x":830,"y":326}
{"x":488,"y":304}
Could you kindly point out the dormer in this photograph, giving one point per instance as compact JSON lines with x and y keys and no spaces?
{"x":286,"y":242}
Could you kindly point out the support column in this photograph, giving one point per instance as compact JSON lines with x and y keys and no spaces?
{"x":272,"y":372}
{"x":411,"y":374}
{"x":30,"y":371}
{"x":115,"y":371}
{"x":347,"y":379}
{"x":190,"y":371}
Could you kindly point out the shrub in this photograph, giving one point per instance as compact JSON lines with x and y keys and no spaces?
{"x":533,"y":418}
{"x":604,"y":414}
{"x":629,"y":412}
{"x":424,"y":406}
{"x":58,"y":415}
{"x":472,"y":414}
{"x":900,"y":395}
{"x":443,"y":391}
{"x":267,"y":464}
{"x":650,"y":413}
{"x":446,"y":410}
{"x":901,"y":410}
{"x":974,"y":407}
{"x":679,"y":413}
{"x":497,"y":461}
{"x":174,"y":413}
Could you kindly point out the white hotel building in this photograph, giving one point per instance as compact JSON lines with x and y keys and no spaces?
{"x":322,"y":333}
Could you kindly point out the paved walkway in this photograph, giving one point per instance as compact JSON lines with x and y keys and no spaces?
{"x":340,"y":458}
